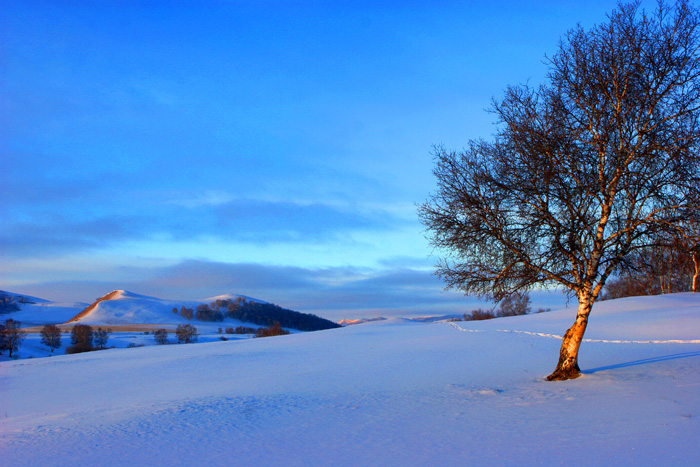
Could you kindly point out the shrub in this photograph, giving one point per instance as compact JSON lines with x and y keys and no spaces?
{"x":79,"y":348}
{"x":186,"y":333}
{"x":479,"y":314}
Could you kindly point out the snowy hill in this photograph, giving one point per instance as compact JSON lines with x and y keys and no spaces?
{"x":123,"y":307}
{"x":33,"y":311}
{"x":390,"y":392}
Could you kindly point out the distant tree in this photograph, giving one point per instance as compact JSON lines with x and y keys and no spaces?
{"x":161,"y":336}
{"x":204,"y":313}
{"x":187,"y":313}
{"x":8,"y":303}
{"x":13,"y":336}
{"x":480,"y":314}
{"x":582,"y":171}
{"x":81,"y":337}
{"x":101,"y":337}
{"x":274,"y":330}
{"x":51,"y":336}
{"x":186,"y":333}
{"x":82,"y":334}
{"x":515,"y":305}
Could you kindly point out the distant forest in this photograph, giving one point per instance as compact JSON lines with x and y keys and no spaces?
{"x":263,"y":314}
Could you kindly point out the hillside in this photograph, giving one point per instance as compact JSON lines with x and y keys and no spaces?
{"x":33,"y":311}
{"x":121,"y":307}
{"x":390,"y":392}
{"x":124,"y":307}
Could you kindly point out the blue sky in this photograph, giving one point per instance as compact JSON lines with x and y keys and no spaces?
{"x":275,"y":149}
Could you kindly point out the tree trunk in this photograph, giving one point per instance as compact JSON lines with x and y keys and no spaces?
{"x":697,"y":272}
{"x":567,"y":368}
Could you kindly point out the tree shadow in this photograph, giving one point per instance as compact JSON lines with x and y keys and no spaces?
{"x":642,"y":362}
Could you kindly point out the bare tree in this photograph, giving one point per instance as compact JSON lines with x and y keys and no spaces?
{"x":515,"y":305}
{"x":51,"y":336}
{"x":81,"y":336}
{"x":161,"y":336}
{"x":12,"y":335}
{"x":101,"y":337}
{"x":582,"y":171}
{"x":186,"y":333}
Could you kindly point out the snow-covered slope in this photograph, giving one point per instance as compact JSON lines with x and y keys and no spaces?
{"x":36,"y":311}
{"x":390,"y":392}
{"x":124,"y":307}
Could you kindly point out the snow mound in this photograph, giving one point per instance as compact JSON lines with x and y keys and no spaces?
{"x":124,"y":307}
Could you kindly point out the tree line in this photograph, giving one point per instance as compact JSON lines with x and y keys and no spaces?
{"x":263,"y":314}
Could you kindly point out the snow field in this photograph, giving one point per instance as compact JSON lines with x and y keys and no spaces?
{"x":391,"y":392}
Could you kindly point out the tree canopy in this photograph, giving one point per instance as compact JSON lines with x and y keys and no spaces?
{"x":582,"y":171}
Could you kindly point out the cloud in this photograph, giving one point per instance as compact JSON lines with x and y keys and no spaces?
{"x":50,"y":237}
{"x":263,"y":221}
{"x":42,"y":234}
{"x":334,"y":293}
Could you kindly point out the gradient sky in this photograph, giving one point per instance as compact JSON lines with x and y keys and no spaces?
{"x":275,"y":149}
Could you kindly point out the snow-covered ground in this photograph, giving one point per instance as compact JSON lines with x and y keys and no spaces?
{"x":390,"y":392}
{"x":44,"y":312}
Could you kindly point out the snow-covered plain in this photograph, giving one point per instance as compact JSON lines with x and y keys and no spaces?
{"x":390,"y":392}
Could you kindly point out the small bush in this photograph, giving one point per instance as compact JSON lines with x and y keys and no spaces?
{"x":223,"y":338}
{"x":79,"y":348}
{"x":479,"y":314}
